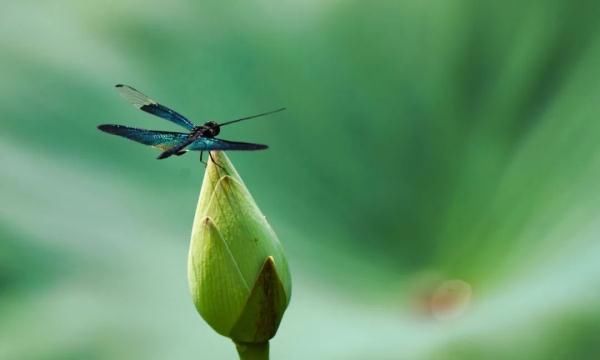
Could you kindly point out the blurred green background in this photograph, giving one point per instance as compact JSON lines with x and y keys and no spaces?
{"x":434,"y":180}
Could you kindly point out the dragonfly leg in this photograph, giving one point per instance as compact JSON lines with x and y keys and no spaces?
{"x":214,"y":162}
{"x":202,"y":161}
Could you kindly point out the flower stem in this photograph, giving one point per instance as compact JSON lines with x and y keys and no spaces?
{"x":253,"y":351}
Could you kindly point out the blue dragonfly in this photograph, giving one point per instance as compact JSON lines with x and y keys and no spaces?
{"x":198,"y":138}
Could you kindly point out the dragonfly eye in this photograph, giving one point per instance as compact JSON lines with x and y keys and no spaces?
{"x":213,"y":128}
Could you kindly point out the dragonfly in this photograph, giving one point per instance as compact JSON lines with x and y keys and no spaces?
{"x":197,"y":138}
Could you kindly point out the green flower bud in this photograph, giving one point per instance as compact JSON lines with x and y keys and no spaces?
{"x":237,"y":271}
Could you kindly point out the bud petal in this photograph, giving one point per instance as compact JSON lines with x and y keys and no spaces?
{"x":265,"y":307}
{"x":218,"y":288}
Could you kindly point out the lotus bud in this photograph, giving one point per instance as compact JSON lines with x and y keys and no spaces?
{"x":237,"y":271}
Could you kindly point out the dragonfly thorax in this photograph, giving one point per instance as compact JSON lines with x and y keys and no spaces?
{"x":209,"y":129}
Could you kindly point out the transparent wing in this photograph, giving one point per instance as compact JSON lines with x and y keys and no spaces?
{"x":150,"y":106}
{"x":163,"y":140}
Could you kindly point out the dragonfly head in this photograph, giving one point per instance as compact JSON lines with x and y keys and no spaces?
{"x":211,"y":129}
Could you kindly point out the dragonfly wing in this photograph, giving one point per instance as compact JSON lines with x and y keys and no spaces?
{"x":150,"y":106}
{"x":176,"y":149}
{"x":202,"y":144}
{"x":207,"y":144}
{"x":163,"y":140}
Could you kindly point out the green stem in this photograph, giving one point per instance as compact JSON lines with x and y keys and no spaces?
{"x":253,"y":351}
